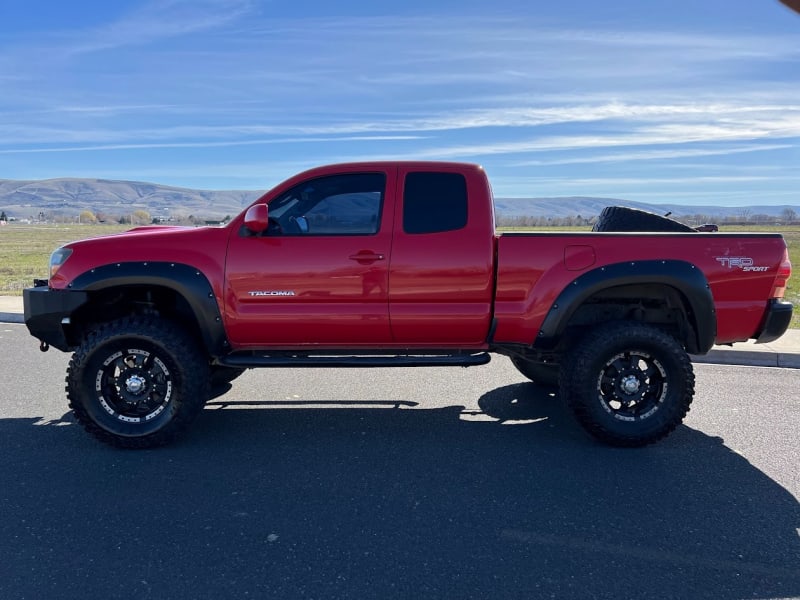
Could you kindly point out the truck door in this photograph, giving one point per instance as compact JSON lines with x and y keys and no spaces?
{"x":441,"y":271}
{"x":319,"y":274}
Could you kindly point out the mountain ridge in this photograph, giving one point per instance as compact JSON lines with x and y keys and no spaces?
{"x":70,"y":196}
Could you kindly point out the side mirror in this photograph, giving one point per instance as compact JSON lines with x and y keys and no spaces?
{"x":256,"y":219}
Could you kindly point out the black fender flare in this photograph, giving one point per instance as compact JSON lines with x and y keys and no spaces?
{"x":680,"y":275}
{"x":183,"y":279}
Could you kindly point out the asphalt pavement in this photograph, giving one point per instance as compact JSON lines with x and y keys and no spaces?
{"x":399,"y":483}
{"x":783,"y":352}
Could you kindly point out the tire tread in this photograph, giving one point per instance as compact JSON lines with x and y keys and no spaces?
{"x":191,"y":364}
{"x":578,"y":369}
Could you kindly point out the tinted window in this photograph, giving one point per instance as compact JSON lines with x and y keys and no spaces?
{"x":337,"y":205}
{"x":434,"y":202}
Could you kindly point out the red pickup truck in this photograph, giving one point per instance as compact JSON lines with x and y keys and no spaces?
{"x":398,"y":264}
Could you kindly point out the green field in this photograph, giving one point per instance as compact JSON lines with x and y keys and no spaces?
{"x":25,"y":249}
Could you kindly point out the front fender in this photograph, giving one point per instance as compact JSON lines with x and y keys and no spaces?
{"x":187,"y":281}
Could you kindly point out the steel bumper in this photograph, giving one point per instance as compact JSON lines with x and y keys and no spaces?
{"x":48,"y":312}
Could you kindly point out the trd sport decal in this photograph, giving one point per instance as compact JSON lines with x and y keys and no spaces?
{"x":745,"y":263}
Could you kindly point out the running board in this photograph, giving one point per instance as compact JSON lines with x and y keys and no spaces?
{"x":287,"y":359}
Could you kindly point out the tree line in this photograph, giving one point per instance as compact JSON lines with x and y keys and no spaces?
{"x":746,"y":216}
{"x":136,"y":217}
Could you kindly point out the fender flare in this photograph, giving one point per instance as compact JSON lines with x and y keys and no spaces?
{"x":187,"y":281}
{"x":680,"y":275}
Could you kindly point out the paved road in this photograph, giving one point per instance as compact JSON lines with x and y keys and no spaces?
{"x":426,"y":483}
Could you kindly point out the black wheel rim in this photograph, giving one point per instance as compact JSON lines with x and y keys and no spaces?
{"x":632,"y":385}
{"x":134,"y":385}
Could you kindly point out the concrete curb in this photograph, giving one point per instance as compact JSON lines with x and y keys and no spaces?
{"x":6,"y":317}
{"x":784,"y":360}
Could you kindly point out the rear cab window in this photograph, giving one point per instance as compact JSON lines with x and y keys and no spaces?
{"x":434,"y":202}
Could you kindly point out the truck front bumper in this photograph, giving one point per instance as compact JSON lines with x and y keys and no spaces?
{"x":776,"y":321}
{"x":48,"y":313}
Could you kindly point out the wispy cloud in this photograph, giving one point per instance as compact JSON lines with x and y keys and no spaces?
{"x":655,"y":136}
{"x":174,"y":81}
{"x":160,"y":19}
{"x":653,"y":155}
{"x":229,"y":144}
{"x":665,"y":124}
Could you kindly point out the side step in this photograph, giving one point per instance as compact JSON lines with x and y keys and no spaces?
{"x":309,"y":359}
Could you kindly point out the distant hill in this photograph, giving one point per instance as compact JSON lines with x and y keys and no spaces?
{"x":22,"y":199}
{"x":68,"y":197}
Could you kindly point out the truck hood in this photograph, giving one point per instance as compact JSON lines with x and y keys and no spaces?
{"x":142,"y":237}
{"x":202,"y":248}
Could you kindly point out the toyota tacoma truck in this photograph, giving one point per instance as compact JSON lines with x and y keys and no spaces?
{"x":381,"y":264}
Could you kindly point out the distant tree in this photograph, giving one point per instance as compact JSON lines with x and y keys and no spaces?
{"x":788,"y":215}
{"x":87,"y":216}
{"x":140,"y":217}
{"x":3,"y":216}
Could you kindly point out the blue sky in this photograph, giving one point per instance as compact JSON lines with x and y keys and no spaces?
{"x":681,"y":101}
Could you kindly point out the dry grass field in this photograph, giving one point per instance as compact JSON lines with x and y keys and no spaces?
{"x":792,"y":236}
{"x":25,"y":249}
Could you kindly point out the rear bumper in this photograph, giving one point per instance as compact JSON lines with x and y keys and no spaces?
{"x":776,"y":321}
{"x":48,"y":313}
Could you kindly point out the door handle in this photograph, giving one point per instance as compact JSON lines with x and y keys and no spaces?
{"x":365,"y":257}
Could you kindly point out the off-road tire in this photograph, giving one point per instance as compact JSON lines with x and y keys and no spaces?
{"x":137,"y":382}
{"x":627,"y":383}
{"x":543,"y":374}
{"x":622,"y":218}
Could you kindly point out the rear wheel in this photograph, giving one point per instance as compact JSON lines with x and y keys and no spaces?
{"x":137,"y":382}
{"x":628,"y":383}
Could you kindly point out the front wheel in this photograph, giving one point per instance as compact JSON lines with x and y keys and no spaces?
{"x":137,"y":382}
{"x":628,"y":383}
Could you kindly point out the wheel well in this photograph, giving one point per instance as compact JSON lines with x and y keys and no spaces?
{"x":112,"y":303}
{"x":657,"y":304}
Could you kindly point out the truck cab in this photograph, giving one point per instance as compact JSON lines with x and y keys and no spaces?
{"x":381,"y":253}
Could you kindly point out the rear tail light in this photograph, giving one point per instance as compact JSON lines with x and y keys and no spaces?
{"x":784,"y":272}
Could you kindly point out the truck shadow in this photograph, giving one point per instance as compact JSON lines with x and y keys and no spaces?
{"x":343,"y":499}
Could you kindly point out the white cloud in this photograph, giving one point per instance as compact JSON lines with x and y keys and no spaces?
{"x":181,"y":76}
{"x":159,"y":19}
{"x":662,"y":124}
{"x":653,"y":155}
{"x":145,"y":146}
